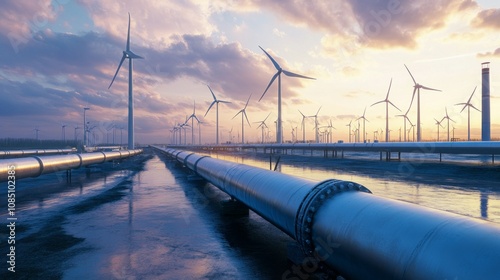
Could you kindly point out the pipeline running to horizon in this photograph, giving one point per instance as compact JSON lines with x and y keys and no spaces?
{"x":355,"y":233}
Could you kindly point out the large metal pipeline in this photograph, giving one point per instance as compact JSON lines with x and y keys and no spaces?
{"x":24,"y":153}
{"x":38,"y":165}
{"x":358,"y":234}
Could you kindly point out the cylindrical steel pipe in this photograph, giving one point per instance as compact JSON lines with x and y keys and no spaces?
{"x":360,"y":235}
{"x":38,"y":165}
{"x":32,"y":152}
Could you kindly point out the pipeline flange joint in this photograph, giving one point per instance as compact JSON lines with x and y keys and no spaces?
{"x":310,"y":205}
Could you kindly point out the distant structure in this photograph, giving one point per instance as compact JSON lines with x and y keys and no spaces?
{"x":486,"y":123}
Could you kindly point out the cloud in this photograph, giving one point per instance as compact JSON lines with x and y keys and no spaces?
{"x":376,"y":24}
{"x":153,"y":23}
{"x":495,"y":53}
{"x":488,"y":19}
{"x":19,"y":20}
{"x":278,"y":33}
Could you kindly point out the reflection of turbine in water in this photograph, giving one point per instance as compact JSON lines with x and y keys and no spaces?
{"x":484,"y":204}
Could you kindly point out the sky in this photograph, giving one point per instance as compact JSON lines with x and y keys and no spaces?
{"x":57,"y":57}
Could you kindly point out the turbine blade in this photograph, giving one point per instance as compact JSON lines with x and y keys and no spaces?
{"x":303,"y":116}
{"x":210,"y":107}
{"x":266,"y":117}
{"x":246,"y":117}
{"x":471,"y":95}
{"x":133,"y":55}
{"x":412,"y":97}
{"x":428,"y":88}
{"x":415,"y":82}
{"x":117,"y":69}
{"x":290,"y":74}
{"x":390,"y":84}
{"x":247,"y":101}
{"x":222,"y":101}
{"x":378,"y":102}
{"x":237,"y":114}
{"x":276,"y":65}
{"x":128,"y":34}
{"x":215,"y":99}
{"x":475,"y":108}
{"x":465,"y":106}
{"x":318,"y":110}
{"x":393,"y":105}
{"x":270,"y":83}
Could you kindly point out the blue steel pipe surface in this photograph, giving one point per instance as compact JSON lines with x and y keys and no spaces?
{"x":360,"y":235}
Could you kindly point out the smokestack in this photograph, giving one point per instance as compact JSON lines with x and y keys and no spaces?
{"x":486,"y":123}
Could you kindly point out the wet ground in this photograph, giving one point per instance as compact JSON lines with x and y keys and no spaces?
{"x":145,"y":218}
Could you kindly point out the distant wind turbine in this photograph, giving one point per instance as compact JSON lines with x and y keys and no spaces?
{"x":127,"y":53}
{"x":387,"y":102}
{"x":416,"y":89}
{"x":303,"y":125}
{"x":448,"y":125}
{"x":438,"y":123}
{"x":349,"y":125}
{"x":243,"y":113}
{"x":263,"y":125}
{"x":468,"y":105}
{"x":279,"y":137}
{"x":405,"y":118}
{"x":192,"y":118}
{"x":216,"y":102}
{"x":364,"y":124}
{"x":316,"y":124}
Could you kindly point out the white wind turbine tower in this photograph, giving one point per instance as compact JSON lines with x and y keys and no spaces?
{"x":349,"y":125}
{"x":192,"y":118}
{"x":387,"y":102}
{"x":216,"y":102}
{"x":243,"y":113}
{"x":405,"y":117}
{"x":448,"y":125}
{"x":364,"y":125}
{"x":303,"y":125}
{"x":127,"y":53}
{"x":263,"y":125}
{"x":416,"y":89}
{"x":330,"y":131}
{"x":468,"y":105}
{"x":279,"y":137}
{"x":438,"y":123}
{"x":316,"y":124}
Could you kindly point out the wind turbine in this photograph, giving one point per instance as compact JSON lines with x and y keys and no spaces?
{"x":438,"y":123}
{"x":468,"y":105}
{"x":316,"y":124}
{"x":263,"y":125}
{"x":387,"y":102}
{"x":364,"y":119}
{"x":127,"y":53}
{"x":63,"y":132}
{"x":231,"y":135}
{"x":216,"y":102}
{"x":243,"y":113}
{"x":416,"y":89}
{"x":405,"y":118}
{"x":448,"y":125}
{"x":279,"y":137}
{"x":192,"y":118}
{"x":349,"y":125}
{"x":303,"y":125}
{"x":330,"y":133}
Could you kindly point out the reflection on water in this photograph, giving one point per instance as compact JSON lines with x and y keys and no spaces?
{"x":470,"y":190}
